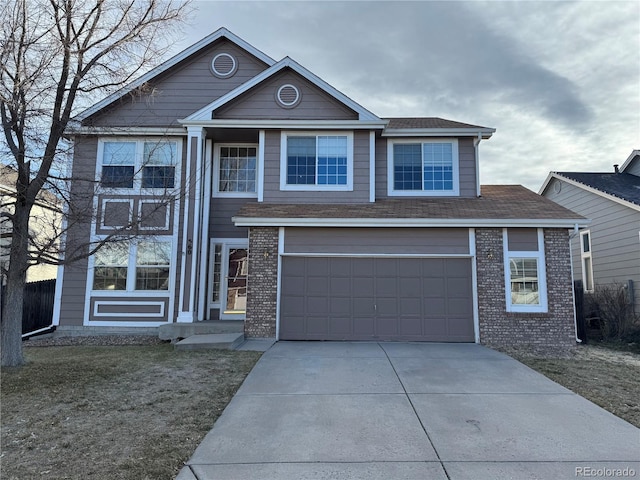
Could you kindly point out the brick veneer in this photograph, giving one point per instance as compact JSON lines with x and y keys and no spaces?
{"x":262,"y":285}
{"x":535,"y":331}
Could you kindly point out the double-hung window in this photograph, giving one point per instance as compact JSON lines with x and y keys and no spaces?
{"x":138,"y":164}
{"x":133,"y":266}
{"x":587,"y":262}
{"x":423,"y":167}
{"x":525,"y":273}
{"x":321,"y":161}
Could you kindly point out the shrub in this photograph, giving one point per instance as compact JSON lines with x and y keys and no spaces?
{"x":611,"y":308}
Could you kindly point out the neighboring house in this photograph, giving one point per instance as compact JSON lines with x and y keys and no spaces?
{"x":44,"y":224}
{"x":306,"y":216}
{"x":607,"y":251}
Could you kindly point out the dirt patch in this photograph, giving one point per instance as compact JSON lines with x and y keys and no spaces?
{"x":608,"y":378}
{"x":105,"y":412}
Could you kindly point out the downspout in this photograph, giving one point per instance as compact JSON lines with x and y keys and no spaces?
{"x":476,"y":145}
{"x":573,"y":235}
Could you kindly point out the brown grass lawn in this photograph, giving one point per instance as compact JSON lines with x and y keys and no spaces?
{"x":112,"y":412}
{"x":607,"y":377}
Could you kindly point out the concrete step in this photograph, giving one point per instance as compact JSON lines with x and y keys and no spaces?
{"x":174,"y":331}
{"x":223,"y":341}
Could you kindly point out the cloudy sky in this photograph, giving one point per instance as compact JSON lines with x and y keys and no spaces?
{"x":560,"y":81}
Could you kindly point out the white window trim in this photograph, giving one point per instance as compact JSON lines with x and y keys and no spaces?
{"x":583,"y":256}
{"x":316,"y":188}
{"x":167,"y":218}
{"x":542,"y":274}
{"x":216,"y":171}
{"x":103,"y":205}
{"x":226,"y":244}
{"x":138,"y":165}
{"x":423,"y":193}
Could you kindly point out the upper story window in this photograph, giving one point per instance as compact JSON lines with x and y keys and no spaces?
{"x":423,"y":167}
{"x":145,"y":164}
{"x":316,"y":161}
{"x":236,"y":170}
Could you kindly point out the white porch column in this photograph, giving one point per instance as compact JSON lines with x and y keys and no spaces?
{"x":191,"y":234}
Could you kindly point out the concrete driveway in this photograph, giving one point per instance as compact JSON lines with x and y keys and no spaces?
{"x":317,"y":410}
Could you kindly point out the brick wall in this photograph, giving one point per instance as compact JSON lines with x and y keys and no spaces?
{"x":553,"y":330}
{"x":262,"y":284}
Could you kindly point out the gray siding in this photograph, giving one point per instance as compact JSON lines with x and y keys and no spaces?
{"x":220,"y":224}
{"x":615,"y":241}
{"x":74,"y":281}
{"x":272,"y":193}
{"x":183,"y":90}
{"x":522,"y":239}
{"x":260,"y":102}
{"x":134,"y":311}
{"x":439,"y":241}
{"x":467,"y":159}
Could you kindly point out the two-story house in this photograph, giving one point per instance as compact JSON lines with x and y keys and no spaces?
{"x":304,"y":215}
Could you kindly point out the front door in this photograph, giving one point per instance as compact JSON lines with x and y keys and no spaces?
{"x":234,"y":286}
{"x":228,"y":279}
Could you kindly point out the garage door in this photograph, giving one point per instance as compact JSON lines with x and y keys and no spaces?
{"x":346,"y":298}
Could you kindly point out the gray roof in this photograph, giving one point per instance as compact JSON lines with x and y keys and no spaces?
{"x":621,"y":185}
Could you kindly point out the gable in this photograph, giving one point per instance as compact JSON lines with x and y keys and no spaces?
{"x":632,"y":164}
{"x":262,"y":101}
{"x":177,"y":92}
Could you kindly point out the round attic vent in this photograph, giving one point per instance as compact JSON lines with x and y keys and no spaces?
{"x":288,"y":96}
{"x":224,"y":65}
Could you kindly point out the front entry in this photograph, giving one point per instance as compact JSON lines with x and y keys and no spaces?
{"x":228,"y":279}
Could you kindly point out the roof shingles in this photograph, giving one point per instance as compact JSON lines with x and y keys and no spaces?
{"x":621,"y":185}
{"x":504,"y":202}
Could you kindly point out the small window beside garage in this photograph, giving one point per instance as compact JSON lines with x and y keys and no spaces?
{"x":525,"y":274}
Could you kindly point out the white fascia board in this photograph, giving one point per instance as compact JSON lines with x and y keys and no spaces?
{"x":439,"y":132}
{"x":221,"y":32}
{"x":205,"y":112}
{"x":629,"y":159}
{"x":407,"y":222}
{"x":595,"y":191}
{"x":545,"y":184}
{"x":126,"y":131}
{"x":288,"y":124}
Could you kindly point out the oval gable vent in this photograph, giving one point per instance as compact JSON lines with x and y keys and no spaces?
{"x":223,"y":65}
{"x":288,"y":96}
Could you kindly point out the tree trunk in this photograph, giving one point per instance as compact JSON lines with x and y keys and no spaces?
{"x":11,"y":320}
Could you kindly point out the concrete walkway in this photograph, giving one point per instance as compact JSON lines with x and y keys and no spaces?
{"x":325,"y":410}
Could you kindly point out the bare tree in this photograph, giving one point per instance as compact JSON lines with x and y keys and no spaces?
{"x":57,"y":56}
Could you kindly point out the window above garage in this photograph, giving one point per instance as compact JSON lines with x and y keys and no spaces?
{"x":423,"y":167}
{"x":316,"y":161}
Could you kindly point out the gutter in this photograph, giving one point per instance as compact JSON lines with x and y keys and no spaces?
{"x":573,"y":235}
{"x":50,"y":329}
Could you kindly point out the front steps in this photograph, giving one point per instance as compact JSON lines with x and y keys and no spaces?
{"x":178,"y":331}
{"x":206,"y":335}
{"x":223,"y":341}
